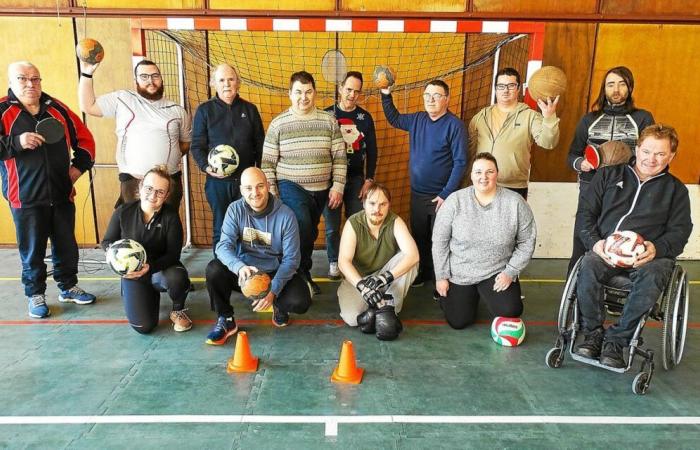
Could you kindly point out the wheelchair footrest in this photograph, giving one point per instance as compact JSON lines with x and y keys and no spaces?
{"x":595,"y":362}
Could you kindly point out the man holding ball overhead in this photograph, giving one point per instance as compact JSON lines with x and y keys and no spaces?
{"x":645,"y":198}
{"x":228,"y":119}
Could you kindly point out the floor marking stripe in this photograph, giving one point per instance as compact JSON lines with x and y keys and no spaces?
{"x":331,"y":422}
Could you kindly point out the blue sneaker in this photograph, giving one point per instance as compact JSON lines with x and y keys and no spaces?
{"x":279,"y":318}
{"x":225,"y":328}
{"x":37,"y":306}
{"x":76,"y":295}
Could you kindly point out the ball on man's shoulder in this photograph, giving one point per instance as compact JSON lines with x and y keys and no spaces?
{"x":508,"y":331}
{"x":90,"y":51}
{"x":623,"y":248}
{"x":256,"y":286}
{"x":125,"y":256}
{"x":384,"y":77}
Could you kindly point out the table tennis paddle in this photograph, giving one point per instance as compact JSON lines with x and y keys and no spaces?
{"x":51,"y":129}
{"x":592,"y":156}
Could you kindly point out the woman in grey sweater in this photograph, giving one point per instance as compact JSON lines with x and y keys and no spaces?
{"x":483,"y":237}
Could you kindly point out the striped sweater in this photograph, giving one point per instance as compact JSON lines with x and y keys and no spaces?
{"x":307,"y":150}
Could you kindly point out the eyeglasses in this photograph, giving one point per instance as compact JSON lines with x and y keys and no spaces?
{"x":509,"y":86}
{"x":34,"y":80}
{"x":160,"y":193}
{"x":436,"y":97}
{"x":152,"y":76}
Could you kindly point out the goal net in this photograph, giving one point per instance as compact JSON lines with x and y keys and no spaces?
{"x":266,"y":59}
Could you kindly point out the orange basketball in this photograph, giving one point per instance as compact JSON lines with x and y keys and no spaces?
{"x":89,"y":51}
{"x":384,"y":77}
{"x":256,"y":286}
{"x":549,"y":81}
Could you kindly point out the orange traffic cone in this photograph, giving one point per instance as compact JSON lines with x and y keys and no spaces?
{"x":243,"y":360}
{"x":347,"y":370}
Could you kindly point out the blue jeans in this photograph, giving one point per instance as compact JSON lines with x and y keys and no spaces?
{"x":648,"y":283}
{"x":307,"y":207}
{"x":331,"y":217}
{"x":141,"y":296}
{"x":33,"y":227}
{"x":220,"y":194}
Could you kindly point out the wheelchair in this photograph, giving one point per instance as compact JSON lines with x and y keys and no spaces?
{"x":671,"y":308}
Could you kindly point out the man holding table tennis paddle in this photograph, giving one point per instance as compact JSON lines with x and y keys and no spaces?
{"x":605,"y":135}
{"x":38,"y":169}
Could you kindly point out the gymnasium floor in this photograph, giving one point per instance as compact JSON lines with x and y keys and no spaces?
{"x":83,"y":379}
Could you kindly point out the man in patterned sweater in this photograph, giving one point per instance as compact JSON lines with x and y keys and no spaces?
{"x":304,"y":161}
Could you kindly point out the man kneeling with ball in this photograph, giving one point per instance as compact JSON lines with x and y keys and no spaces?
{"x":379,"y":260}
{"x":645,"y":198}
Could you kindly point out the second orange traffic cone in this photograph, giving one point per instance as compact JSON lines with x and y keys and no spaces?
{"x":347,"y":370}
{"x":243,"y":359}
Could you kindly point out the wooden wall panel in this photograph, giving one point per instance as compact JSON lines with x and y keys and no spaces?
{"x":651,"y":7}
{"x":36,"y":3}
{"x":568,"y":46}
{"x":152,"y":4}
{"x":49,"y":46}
{"x":402,"y":5}
{"x":292,"y":5}
{"x":536,"y":6}
{"x":114,"y":73}
{"x":663,"y":59}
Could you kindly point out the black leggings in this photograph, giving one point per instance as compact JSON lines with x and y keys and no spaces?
{"x":461,"y":302}
{"x":295,"y":296}
{"x":141,"y":296}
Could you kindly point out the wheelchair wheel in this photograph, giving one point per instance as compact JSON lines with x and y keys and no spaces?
{"x":676,"y":300}
{"x":568,"y":300}
{"x":554,"y":357}
{"x":640,"y":384}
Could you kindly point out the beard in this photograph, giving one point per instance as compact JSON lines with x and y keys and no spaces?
{"x":375,"y":220}
{"x":157,"y":95}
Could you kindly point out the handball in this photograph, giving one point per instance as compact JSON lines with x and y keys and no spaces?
{"x":623,"y":247}
{"x":384,"y":77}
{"x":257,"y":286}
{"x":90,"y":51}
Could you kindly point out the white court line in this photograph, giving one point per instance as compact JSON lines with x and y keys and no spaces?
{"x":331,"y":422}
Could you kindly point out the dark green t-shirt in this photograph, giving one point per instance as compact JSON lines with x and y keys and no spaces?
{"x":372,"y":254}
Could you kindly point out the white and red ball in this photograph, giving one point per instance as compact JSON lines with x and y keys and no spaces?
{"x":623,"y":248}
{"x":508,"y":331}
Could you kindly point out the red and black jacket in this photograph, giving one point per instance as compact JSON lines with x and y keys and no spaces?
{"x":40,"y":177}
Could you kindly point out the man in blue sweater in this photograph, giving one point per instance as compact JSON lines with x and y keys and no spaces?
{"x":259,"y":234}
{"x":437,"y":161}
{"x":226,"y":119}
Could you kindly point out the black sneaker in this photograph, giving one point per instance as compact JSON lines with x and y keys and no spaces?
{"x":612,"y":355}
{"x":418,"y":281}
{"x":314,"y":287}
{"x":279,"y":319}
{"x":436,"y":295}
{"x":590,"y":348}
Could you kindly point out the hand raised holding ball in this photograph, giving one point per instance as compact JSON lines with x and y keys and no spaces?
{"x":90,"y":53}
{"x":384,"y":78}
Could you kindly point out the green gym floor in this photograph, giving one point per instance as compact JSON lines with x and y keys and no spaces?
{"x":84,"y":379}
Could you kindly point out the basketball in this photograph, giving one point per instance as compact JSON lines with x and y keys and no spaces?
{"x":623,"y":247}
{"x":126,"y":256}
{"x":257,"y":286}
{"x":384,"y":77}
{"x":508,"y":331}
{"x":613,"y":153}
{"x":223,"y":160}
{"x":89,"y":51}
{"x":548,"y":81}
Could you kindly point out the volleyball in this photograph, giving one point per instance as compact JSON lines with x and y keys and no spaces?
{"x":547,"y":82}
{"x":623,"y":247}
{"x":256,"y":286}
{"x":90,"y":51}
{"x":126,"y":256}
{"x":508,"y":331}
{"x":223,"y":160}
{"x":384,"y":77}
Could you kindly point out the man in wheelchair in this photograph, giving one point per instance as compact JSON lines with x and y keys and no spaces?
{"x":644,"y":197}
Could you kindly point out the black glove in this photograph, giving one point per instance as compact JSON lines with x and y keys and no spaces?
{"x":381,"y":281}
{"x":365,"y":320}
{"x":370,"y":296}
{"x":387,"y":324}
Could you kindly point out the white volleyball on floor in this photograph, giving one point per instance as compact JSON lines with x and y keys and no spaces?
{"x":125,"y":256}
{"x":508,"y":331}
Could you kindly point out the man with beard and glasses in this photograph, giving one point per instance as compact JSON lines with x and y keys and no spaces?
{"x":614,"y":117}
{"x":379,"y":260}
{"x":151,"y":130}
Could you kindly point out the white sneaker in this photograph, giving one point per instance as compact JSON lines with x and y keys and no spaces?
{"x":333,"y":271}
